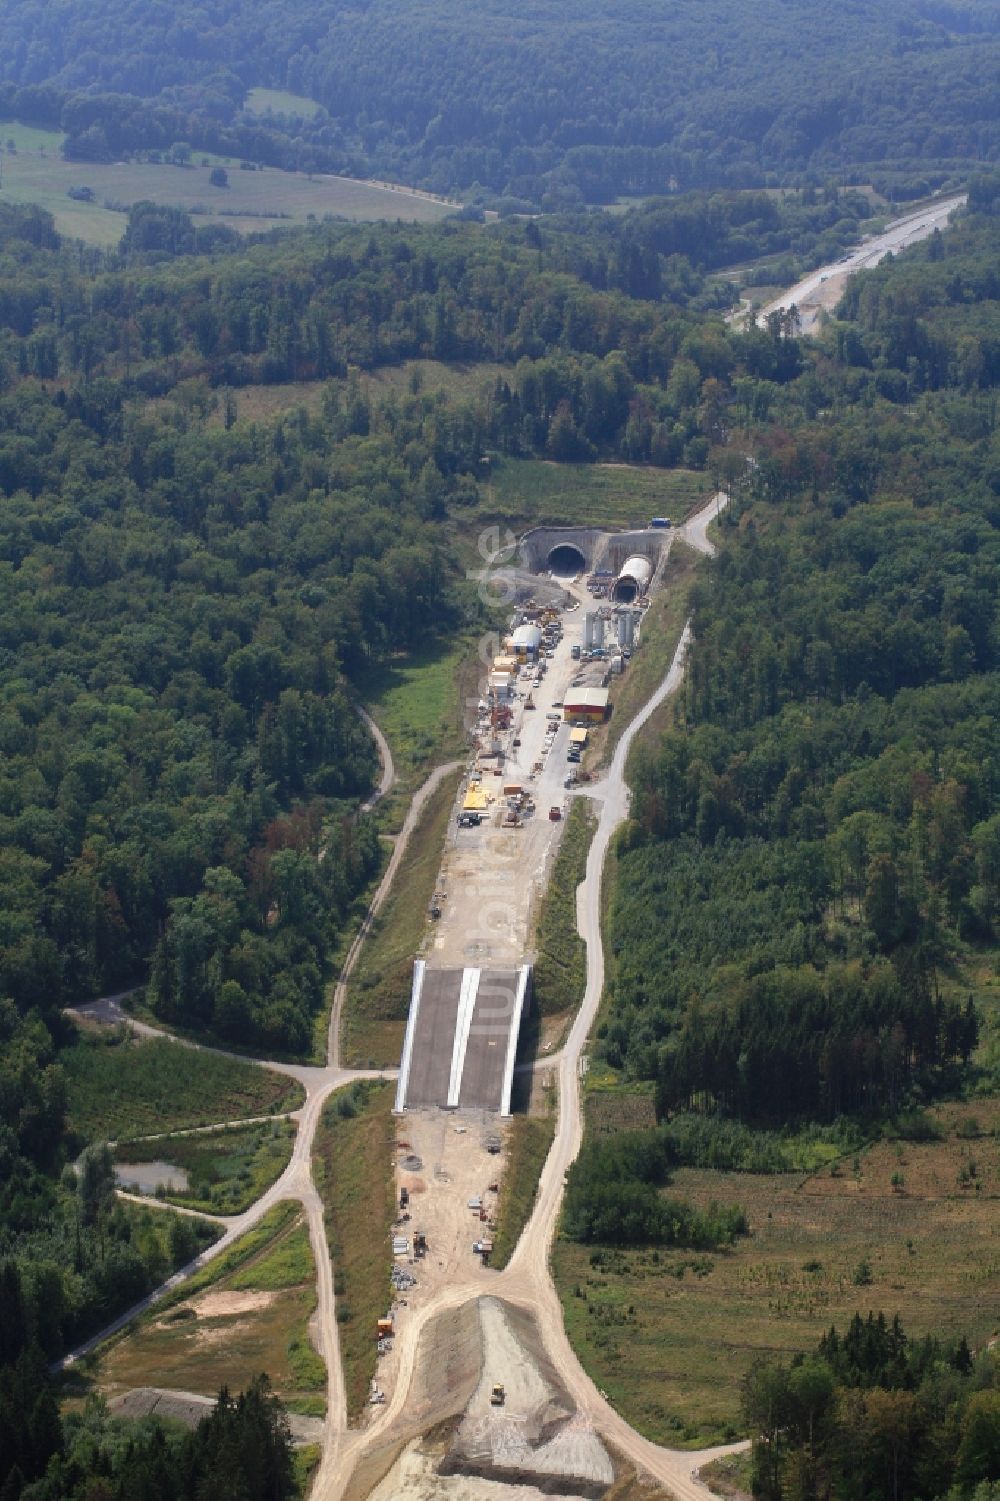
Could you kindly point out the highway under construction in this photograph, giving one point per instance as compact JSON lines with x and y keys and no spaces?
{"x":437,"y":1432}
{"x":548,"y":682}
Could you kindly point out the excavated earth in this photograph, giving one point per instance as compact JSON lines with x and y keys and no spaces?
{"x":454,"y":1443}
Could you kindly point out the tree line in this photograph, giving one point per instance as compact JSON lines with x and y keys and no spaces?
{"x":614,"y":1198}
{"x":239,"y":1451}
{"x":875,"y":1412}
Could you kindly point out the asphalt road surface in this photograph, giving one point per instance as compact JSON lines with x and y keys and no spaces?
{"x":824,"y":288}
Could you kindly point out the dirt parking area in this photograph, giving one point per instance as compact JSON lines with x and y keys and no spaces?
{"x":454,"y":1167}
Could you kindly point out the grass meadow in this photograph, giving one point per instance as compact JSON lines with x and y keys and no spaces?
{"x":902,"y":1227}
{"x":249,"y":1312}
{"x":121,"y":1087}
{"x":531,"y":491}
{"x":265,"y":198}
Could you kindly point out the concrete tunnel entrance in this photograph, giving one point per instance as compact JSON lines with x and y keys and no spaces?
{"x":565,"y":560}
{"x":625,"y":591}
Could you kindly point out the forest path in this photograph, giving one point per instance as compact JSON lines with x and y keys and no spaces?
{"x":416,"y":808}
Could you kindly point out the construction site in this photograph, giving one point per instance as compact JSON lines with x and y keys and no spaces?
{"x":509,"y":1421}
{"x":468,"y":1437}
{"x":546,"y":687}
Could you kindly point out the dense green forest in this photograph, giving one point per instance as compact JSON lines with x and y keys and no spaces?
{"x":544,"y":105}
{"x":191,"y":602}
{"x":613,"y":1197}
{"x":816,"y":841}
{"x":873,"y":1412}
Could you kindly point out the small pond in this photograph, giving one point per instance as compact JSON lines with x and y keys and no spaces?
{"x":147,"y":1177}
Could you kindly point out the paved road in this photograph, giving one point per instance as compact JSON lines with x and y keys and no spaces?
{"x":823,"y":288}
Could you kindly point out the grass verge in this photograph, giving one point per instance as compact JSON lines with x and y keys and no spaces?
{"x":559,"y":976}
{"x":669,"y":1335}
{"x":247,"y":1312}
{"x":378,"y":995}
{"x":119,"y":1086}
{"x":528,"y":1142}
{"x":305,"y":1463}
{"x":279,"y":102}
{"x":731,"y":1476}
{"x":352,"y":1163}
{"x":226,"y":1170}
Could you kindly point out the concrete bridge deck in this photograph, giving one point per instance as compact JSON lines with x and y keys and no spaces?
{"x":461,"y":1038}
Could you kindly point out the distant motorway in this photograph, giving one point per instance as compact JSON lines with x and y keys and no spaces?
{"x":823,"y":289}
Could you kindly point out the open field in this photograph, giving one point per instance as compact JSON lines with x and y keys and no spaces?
{"x":528,"y":491}
{"x":259,"y":403}
{"x":227,"y":1327}
{"x":418,"y":701}
{"x":670,"y":1334}
{"x":267,"y":403}
{"x":378,"y":996}
{"x":352,"y":1164}
{"x":616,"y":1107}
{"x":279,"y":102}
{"x":257,"y":200}
{"x":226,"y":1170}
{"x":29,"y":138}
{"x":121,"y":1087}
{"x":458,"y":380}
